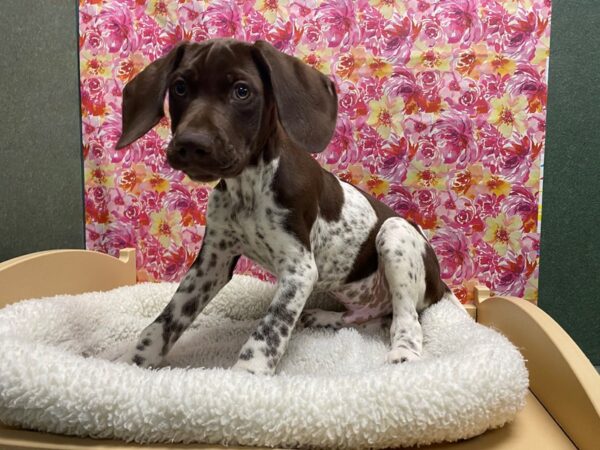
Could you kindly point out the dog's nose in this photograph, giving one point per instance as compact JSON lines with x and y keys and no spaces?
{"x":192,"y":143}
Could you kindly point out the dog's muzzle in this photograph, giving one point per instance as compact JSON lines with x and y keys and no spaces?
{"x":201,"y":155}
{"x":190,"y":146}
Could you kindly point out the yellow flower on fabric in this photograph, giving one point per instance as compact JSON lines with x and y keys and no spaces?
{"x":512,"y":6}
{"x":271,"y":9}
{"x":509,"y":114}
{"x":501,"y":64}
{"x":130,"y":67}
{"x":531,"y":290}
{"x":504,"y":233}
{"x":154,"y":182}
{"x":320,"y":59}
{"x":354,"y":174}
{"x":131,"y":178}
{"x":496,"y":185}
{"x":163,"y":129}
{"x":139,"y":178}
{"x":211,"y":184}
{"x":387,"y":7}
{"x":469,"y":61}
{"x":433,"y":176}
{"x":100,"y":175}
{"x":379,"y":67}
{"x":352,"y":65}
{"x":377,"y":186}
{"x":542,"y":52}
{"x":95,"y":65}
{"x":533,"y":182}
{"x":425,"y":57}
{"x":162,"y":11}
{"x":166,"y":227}
{"x":386,"y":114}
{"x":467,"y":182}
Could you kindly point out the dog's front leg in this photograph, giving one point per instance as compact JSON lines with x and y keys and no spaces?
{"x":261,"y":353}
{"x":211,"y":270}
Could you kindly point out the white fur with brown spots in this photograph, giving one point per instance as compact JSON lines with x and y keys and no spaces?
{"x":245,"y":219}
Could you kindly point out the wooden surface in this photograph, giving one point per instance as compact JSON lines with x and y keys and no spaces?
{"x":533,"y":429}
{"x":53,"y":272}
{"x":560,"y":375}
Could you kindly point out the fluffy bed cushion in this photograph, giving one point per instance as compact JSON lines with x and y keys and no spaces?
{"x":332,"y":388}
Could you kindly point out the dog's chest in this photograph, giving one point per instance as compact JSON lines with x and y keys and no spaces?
{"x":258,"y":222}
{"x":260,"y":234}
{"x":249,"y":212}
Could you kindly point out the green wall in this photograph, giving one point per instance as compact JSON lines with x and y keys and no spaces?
{"x":41,"y":190}
{"x":570,"y":253}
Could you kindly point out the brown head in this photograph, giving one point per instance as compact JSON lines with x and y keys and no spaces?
{"x":226,"y":98}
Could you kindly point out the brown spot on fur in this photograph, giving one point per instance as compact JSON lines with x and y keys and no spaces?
{"x":190,"y":307}
{"x":331,"y":199}
{"x":232,"y":265}
{"x":247,"y":354}
{"x":366,"y":261}
{"x":435,"y":288}
{"x":304,"y":188}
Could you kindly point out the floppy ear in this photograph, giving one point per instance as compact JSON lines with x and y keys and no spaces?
{"x":144,"y":95}
{"x":306,"y":99}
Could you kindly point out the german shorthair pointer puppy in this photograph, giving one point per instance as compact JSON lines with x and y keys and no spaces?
{"x":248,"y":115}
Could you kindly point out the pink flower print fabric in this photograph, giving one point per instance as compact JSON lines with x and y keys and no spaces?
{"x":442,"y":110}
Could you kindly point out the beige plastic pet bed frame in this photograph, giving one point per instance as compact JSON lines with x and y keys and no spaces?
{"x":563,"y":403}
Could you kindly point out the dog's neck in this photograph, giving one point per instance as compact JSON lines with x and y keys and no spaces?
{"x":256,"y":180}
{"x":252,"y":185}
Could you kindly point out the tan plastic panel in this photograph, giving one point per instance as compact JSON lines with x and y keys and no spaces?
{"x":56,"y":272}
{"x":561,"y":377}
{"x":532,"y":429}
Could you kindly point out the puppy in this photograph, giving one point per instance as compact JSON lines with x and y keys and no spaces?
{"x":249,"y":116}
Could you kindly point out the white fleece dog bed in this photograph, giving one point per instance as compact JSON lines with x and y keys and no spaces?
{"x":332,"y":389}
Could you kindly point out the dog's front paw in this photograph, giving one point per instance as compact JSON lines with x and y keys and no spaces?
{"x":401,"y":355}
{"x":140,"y":358}
{"x":149,"y":350}
{"x":254,"y":369}
{"x":254,"y":362}
{"x":146,"y":353}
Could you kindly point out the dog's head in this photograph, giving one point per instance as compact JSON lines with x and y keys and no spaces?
{"x":225,"y":98}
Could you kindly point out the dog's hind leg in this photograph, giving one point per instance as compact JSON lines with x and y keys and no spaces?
{"x":400,"y":247}
{"x":334,"y":320}
{"x":320,"y":318}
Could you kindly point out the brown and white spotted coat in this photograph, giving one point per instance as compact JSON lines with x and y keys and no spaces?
{"x":249,"y":116}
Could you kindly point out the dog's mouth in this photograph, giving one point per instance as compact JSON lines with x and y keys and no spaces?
{"x":207,"y":172}
{"x":206,"y":168}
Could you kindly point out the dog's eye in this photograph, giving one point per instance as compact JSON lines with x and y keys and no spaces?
{"x":241,"y":91}
{"x":180,"y":88}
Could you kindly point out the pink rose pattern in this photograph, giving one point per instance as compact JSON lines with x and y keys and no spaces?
{"x":442,"y":108}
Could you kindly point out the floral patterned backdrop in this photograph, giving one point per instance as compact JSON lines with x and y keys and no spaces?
{"x":442,"y":113}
